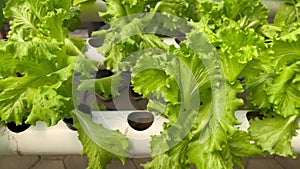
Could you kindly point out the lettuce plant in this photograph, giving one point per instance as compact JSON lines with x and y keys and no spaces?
{"x":39,"y":60}
{"x":194,"y":86}
{"x":198,"y":82}
{"x":37,"y":63}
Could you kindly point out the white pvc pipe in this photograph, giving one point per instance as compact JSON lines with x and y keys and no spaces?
{"x":59,"y":139}
{"x":40,"y":139}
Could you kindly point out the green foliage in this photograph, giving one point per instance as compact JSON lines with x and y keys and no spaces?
{"x":194,"y":86}
{"x":99,"y":143}
{"x":225,"y":40}
{"x":39,"y":56}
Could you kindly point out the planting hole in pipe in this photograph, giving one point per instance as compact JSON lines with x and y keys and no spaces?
{"x":69,"y":123}
{"x":135,"y":95}
{"x":84,"y":108}
{"x":140,"y":120}
{"x":17,"y":128}
{"x":251,"y":115}
{"x":102,"y":73}
{"x":95,"y":42}
{"x":178,"y":40}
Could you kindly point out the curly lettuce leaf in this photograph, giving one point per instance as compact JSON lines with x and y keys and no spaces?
{"x":286,"y":51}
{"x":34,"y":96}
{"x":245,"y":14}
{"x":237,"y":48}
{"x":257,"y":91}
{"x":107,"y":86}
{"x":175,"y":158}
{"x":186,"y":9}
{"x":127,"y":39}
{"x":170,"y":83}
{"x":251,"y":13}
{"x":270,"y":76}
{"x":274,"y":134}
{"x":284,"y":93}
{"x":162,"y":85}
{"x":99,"y":144}
{"x":74,"y":21}
{"x":283,"y":90}
{"x":236,"y":37}
{"x":117,"y":9}
{"x":241,"y":145}
{"x":287,"y":16}
{"x":36,"y":21}
{"x":238,"y":147}
{"x":215,"y":132}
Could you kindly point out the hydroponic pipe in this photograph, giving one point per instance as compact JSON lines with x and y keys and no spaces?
{"x":59,"y":139}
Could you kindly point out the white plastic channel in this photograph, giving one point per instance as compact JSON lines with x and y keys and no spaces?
{"x":59,"y":139}
{"x":40,"y":139}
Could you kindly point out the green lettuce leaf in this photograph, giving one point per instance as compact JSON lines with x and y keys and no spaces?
{"x":233,"y":31}
{"x":107,"y":86}
{"x":175,"y":158}
{"x":34,"y":96}
{"x":128,"y":40}
{"x":287,"y":16}
{"x":242,"y":146}
{"x":35,"y":21}
{"x":286,"y":52}
{"x":257,"y":91}
{"x":99,"y":144}
{"x":251,"y":13}
{"x":117,"y":9}
{"x":238,"y":147}
{"x":74,"y":21}
{"x":236,"y":54}
{"x":186,"y":9}
{"x":275,"y":89}
{"x":283,"y":90}
{"x":215,"y":131}
{"x":283,"y":93}
{"x":274,"y":134}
